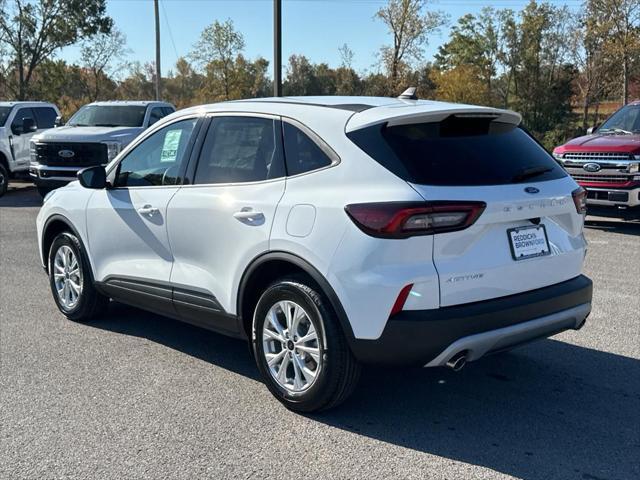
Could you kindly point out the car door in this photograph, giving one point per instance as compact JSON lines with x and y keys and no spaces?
{"x":221,"y":221}
{"x":19,"y":139}
{"x":127,"y":223}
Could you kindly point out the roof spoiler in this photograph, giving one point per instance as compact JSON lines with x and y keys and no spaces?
{"x":422,"y":112}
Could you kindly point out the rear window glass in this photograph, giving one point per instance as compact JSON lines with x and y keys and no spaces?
{"x":458,"y":151}
{"x":45,"y":117}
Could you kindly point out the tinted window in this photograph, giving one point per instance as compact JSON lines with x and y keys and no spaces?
{"x":627,"y":119}
{"x":302,"y":153}
{"x":45,"y":117}
{"x":157,"y":160}
{"x":239,"y":149}
{"x":109,"y":116}
{"x":458,"y":151}
{"x":4,"y":114}
{"x":21,"y":114}
{"x":156,"y":114}
{"x":167,"y":110}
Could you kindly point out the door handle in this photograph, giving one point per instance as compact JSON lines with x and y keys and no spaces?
{"x":249,"y":216}
{"x":148,"y":210}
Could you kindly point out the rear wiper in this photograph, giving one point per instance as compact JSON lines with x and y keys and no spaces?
{"x":530,"y":172}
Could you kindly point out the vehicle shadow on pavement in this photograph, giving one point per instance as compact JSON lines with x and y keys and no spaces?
{"x":24,"y":196}
{"x":228,"y":353}
{"x":611,"y":226}
{"x":547,"y":410}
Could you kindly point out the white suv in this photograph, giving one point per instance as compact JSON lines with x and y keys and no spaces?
{"x":330,"y":232}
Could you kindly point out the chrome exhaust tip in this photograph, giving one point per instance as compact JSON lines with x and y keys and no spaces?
{"x":458,"y":361}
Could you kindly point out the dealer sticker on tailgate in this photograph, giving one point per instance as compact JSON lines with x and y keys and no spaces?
{"x":528,"y":242}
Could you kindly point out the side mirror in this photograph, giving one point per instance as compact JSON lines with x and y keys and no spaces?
{"x":58,"y":122}
{"x":29,"y":125}
{"x":590,"y":130}
{"x":93,"y":177}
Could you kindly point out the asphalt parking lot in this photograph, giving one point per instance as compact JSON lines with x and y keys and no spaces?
{"x":134,"y":395}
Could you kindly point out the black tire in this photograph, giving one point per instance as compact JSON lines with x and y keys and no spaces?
{"x":4,"y":179}
{"x":90,"y":302}
{"x":339,"y":370}
{"x":42,"y":191}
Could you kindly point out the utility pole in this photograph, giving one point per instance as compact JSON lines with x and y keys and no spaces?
{"x":158,"y":70}
{"x":277,"y":48}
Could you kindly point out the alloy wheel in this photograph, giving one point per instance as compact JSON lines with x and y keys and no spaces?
{"x":67,"y":277}
{"x":291,"y":347}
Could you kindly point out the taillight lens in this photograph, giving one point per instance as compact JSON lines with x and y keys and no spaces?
{"x":580,"y":200}
{"x":407,"y":219}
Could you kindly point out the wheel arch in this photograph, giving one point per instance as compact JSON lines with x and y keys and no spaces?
{"x":4,"y":161}
{"x":266,"y":268}
{"x":55,"y":225}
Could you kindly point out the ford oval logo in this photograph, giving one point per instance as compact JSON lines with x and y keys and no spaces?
{"x":591,"y":167}
{"x":66,"y":153}
{"x":531,"y":190}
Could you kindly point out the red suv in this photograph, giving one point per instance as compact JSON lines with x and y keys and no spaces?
{"x":606,"y":161}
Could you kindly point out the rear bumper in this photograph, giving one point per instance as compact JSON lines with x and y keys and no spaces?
{"x":432,"y":337}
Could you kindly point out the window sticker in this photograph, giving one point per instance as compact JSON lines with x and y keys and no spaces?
{"x":170,"y":146}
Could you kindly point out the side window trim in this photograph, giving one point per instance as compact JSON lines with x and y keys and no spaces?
{"x":112,"y":173}
{"x":315,"y":138}
{"x":197,"y":152}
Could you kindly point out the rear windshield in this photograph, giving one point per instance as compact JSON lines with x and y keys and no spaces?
{"x":458,"y":151}
{"x":109,"y":116}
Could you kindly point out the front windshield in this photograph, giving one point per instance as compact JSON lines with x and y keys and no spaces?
{"x":626,"y":120}
{"x":108,"y":116}
{"x":4,"y":114}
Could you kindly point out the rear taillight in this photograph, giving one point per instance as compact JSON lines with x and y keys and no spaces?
{"x":407,"y":219}
{"x":580,"y":200}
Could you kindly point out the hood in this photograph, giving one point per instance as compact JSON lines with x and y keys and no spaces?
{"x":70,"y":133}
{"x":609,"y":143}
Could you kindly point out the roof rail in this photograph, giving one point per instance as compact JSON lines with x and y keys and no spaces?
{"x":409,"y":94}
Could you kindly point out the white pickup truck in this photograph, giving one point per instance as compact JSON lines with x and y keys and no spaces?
{"x":19,"y":122}
{"x":93,"y":136}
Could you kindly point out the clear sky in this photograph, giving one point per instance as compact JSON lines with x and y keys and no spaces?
{"x":315,"y":28}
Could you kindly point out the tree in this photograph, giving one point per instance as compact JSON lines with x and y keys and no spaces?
{"x":218,"y":47}
{"x":410,"y":22}
{"x":99,"y":55}
{"x":299,"y":76}
{"x":461,"y":84}
{"x":542,"y":73}
{"x":33,"y":30}
{"x":619,"y":22}
{"x":591,"y":59}
{"x":474,"y":41}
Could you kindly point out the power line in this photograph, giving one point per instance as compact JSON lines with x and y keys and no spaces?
{"x":166,"y":21}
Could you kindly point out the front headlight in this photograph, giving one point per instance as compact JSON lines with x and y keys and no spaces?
{"x":32,"y":151}
{"x":113,"y":149}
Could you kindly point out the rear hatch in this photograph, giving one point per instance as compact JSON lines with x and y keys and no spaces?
{"x":529,"y":234}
